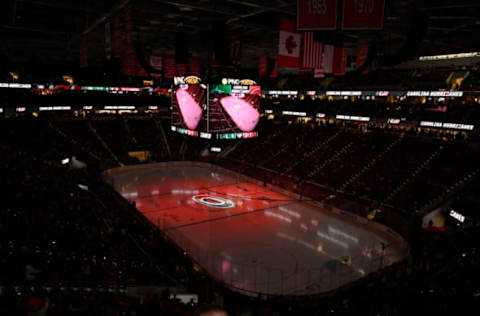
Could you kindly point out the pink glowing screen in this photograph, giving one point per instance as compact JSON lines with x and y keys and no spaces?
{"x":215,"y":110}
{"x":233,"y":108}
{"x":190,"y":110}
{"x":242,"y":113}
{"x":189,"y":103}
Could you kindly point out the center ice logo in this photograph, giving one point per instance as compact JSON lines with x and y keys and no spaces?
{"x":213,"y":201}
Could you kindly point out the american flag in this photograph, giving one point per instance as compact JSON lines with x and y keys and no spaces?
{"x":312,"y":51}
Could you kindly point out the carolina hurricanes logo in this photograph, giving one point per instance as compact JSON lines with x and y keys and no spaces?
{"x":255,"y":90}
{"x":290,"y":44}
{"x":213,"y":201}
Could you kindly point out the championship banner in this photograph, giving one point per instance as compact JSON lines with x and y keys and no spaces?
{"x":316,"y":14}
{"x":363,"y":14}
{"x":169,"y":67}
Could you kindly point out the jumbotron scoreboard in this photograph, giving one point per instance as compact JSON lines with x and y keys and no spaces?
{"x":226,"y":110}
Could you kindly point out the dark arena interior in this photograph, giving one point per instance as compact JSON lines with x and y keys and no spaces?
{"x":239,"y":157}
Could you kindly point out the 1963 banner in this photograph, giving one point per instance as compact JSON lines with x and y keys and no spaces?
{"x":316,"y":14}
{"x":363,"y":14}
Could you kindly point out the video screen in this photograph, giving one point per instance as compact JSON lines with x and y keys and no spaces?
{"x":189,"y":107}
{"x":233,"y":108}
{"x":216,"y":111}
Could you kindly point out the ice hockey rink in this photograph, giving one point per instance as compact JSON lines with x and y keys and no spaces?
{"x":252,"y":237}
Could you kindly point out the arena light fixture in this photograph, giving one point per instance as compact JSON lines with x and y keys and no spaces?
{"x":450,"y":56}
{"x":14,"y":75}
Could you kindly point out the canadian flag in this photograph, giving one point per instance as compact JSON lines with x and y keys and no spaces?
{"x":289,"y":45}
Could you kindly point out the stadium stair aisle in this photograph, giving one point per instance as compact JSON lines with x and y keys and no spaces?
{"x":412,"y":176}
{"x":100,"y":139}
{"x":449,"y":192}
{"x":370,"y":164}
{"x":337,"y":154}
{"x":312,"y":152}
{"x":73,"y":141}
{"x":164,"y":141}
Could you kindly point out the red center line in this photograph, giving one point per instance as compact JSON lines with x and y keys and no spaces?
{"x":227,"y":216}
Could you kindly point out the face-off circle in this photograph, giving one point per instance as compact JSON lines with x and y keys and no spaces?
{"x":213,"y":201}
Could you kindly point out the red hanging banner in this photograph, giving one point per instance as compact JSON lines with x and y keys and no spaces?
{"x":316,"y":14}
{"x":194,"y":67}
{"x":339,"y":60}
{"x":362,"y":54}
{"x":262,"y":66}
{"x":363,"y":14}
{"x":169,"y":67}
{"x":274,"y":73}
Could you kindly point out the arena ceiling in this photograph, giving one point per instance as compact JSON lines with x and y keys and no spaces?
{"x":51,"y":29}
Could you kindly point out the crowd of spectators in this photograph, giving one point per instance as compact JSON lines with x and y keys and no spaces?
{"x":71,"y":246}
{"x":408,"y":109}
{"x":367,"y":162}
